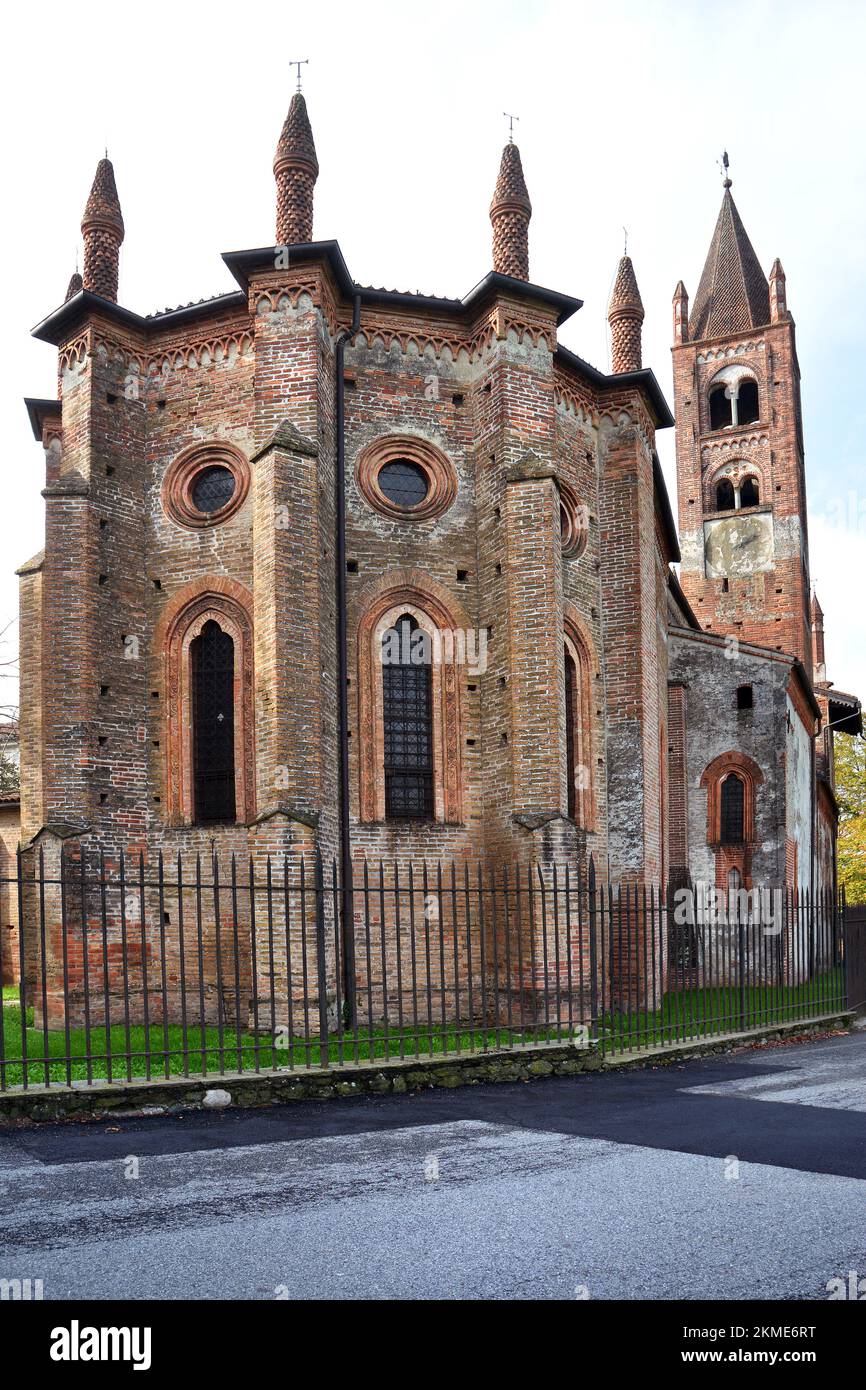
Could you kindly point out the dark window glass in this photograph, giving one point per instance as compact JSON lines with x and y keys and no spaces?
{"x":403,"y":483}
{"x":212,"y":655}
{"x":747,"y":402}
{"x":570,"y":756}
{"x":745,"y":697}
{"x":212,"y":489}
{"x":720,"y":409}
{"x":733,"y":810}
{"x":749,"y":493}
{"x":725,"y":495}
{"x":408,"y":724}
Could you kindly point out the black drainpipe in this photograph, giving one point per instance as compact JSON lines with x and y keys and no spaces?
{"x":346,"y":895}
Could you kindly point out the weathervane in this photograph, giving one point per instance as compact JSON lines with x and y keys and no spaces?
{"x":510,"y":119}
{"x":298,"y":63}
{"x":723,"y":165}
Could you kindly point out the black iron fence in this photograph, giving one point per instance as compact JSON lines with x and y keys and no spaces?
{"x":121,"y":968}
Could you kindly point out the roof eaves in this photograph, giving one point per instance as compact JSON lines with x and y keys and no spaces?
{"x":38,"y":411}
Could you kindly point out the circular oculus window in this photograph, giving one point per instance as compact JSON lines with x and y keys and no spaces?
{"x":403,"y":483}
{"x":212,"y":489}
{"x":573,"y":523}
{"x":205,"y":485}
{"x":406,"y":478}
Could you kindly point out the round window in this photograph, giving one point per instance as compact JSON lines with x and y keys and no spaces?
{"x":573,"y":523}
{"x":212,"y":489}
{"x":406,"y":478}
{"x":403,"y":483}
{"x":205,"y":485}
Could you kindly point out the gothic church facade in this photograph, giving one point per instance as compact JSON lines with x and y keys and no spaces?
{"x":551,"y":689}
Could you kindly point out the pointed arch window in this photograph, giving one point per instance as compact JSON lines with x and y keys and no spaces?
{"x":732,"y":810}
{"x":412,"y":662}
{"x":577,"y":668}
{"x":212,"y":676}
{"x":732,"y":782}
{"x":571,"y":696}
{"x":407,"y":721}
{"x":205,"y":635}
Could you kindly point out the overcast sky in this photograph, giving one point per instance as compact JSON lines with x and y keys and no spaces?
{"x":624,"y":111}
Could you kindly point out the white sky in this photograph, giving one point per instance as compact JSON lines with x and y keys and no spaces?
{"x":624,"y":110}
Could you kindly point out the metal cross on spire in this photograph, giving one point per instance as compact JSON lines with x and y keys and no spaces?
{"x":510,"y":119}
{"x":298,"y":63}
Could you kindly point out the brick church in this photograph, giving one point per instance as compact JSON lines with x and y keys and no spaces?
{"x":319,"y":554}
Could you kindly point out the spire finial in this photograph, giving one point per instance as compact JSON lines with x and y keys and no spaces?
{"x":298,"y":63}
{"x":625,"y":241}
{"x":625,"y":315}
{"x":102,"y":228}
{"x":510,"y":119}
{"x":510,"y":212}
{"x":296,"y":169}
{"x":723,"y":165}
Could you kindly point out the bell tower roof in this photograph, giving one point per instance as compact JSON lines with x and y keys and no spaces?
{"x":733,"y":295}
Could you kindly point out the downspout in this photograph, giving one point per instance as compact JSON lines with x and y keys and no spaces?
{"x":347,"y":934}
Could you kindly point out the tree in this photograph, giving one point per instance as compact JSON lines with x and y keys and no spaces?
{"x":9,"y":777}
{"x":851,"y":794}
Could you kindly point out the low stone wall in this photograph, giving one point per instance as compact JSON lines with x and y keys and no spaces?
{"x":380,"y":1078}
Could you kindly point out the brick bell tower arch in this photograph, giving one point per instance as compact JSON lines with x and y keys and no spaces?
{"x":739,"y":445}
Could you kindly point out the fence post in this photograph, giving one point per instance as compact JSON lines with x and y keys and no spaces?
{"x":321,"y":970}
{"x":741,"y":960}
{"x":593,"y":949}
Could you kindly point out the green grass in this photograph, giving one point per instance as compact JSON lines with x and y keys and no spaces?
{"x":205,"y":1057}
{"x":683,"y":1015}
{"x":10,"y":992}
{"x":697,"y":1013}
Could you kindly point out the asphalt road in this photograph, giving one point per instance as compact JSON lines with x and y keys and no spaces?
{"x":737,"y":1177}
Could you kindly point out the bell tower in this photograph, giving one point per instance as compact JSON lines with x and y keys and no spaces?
{"x":739,"y":443}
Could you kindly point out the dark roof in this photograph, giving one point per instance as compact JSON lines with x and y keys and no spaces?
{"x":56,"y":327}
{"x":644,"y":380}
{"x":845,"y":710}
{"x":243,"y":263}
{"x":38,"y":411}
{"x":664,"y":506}
{"x":188,"y":309}
{"x":681,"y":600}
{"x":733,"y":294}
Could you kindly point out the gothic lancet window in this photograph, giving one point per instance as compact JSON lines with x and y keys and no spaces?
{"x":732,"y":810}
{"x":407,"y":709}
{"x":577,"y":668}
{"x":571,"y":696}
{"x":213,"y":724}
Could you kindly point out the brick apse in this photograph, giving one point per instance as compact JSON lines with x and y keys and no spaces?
{"x":504,"y":510}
